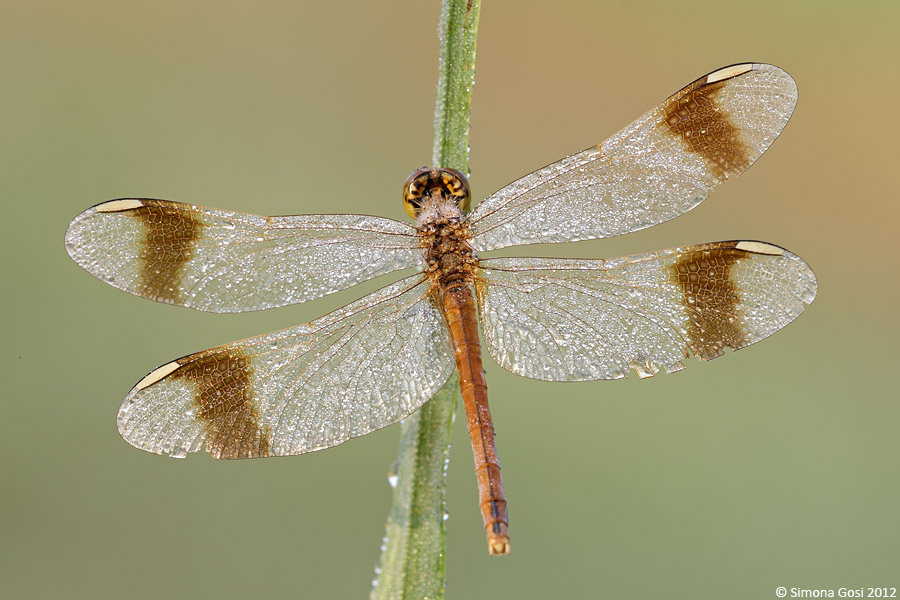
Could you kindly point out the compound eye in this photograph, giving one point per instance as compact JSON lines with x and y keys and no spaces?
{"x":457,"y":187}
{"x":425,"y":182}
{"x":415,"y":189}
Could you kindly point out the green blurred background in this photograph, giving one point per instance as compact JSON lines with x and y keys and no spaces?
{"x":777,"y":466}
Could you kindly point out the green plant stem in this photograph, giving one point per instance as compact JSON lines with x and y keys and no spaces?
{"x":459,"y":26}
{"x":412,"y":560}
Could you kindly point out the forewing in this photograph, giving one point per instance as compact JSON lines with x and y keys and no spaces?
{"x":221,"y":261}
{"x":310,"y":387}
{"x":574,"y":320}
{"x":657,"y":168}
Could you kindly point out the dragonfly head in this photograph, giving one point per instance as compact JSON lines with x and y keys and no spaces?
{"x":427,"y":182}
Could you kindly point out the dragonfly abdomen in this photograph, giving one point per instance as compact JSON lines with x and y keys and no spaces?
{"x":459,"y":309}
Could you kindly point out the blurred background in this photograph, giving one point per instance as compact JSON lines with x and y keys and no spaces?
{"x":776,"y":466}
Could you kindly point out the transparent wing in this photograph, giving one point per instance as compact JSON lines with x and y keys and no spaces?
{"x":358,"y":369}
{"x":574,"y":320}
{"x":221,"y":261}
{"x":657,"y":168}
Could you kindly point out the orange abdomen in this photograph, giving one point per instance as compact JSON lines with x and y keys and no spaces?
{"x":459,"y":308}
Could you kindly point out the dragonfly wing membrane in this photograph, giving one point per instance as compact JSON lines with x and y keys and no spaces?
{"x":222,"y":261}
{"x":657,"y":168}
{"x":360,"y":368}
{"x":577,"y":320}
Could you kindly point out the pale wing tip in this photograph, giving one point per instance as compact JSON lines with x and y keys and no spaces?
{"x":776,"y":78}
{"x":77,"y":227}
{"x":807,"y":283}
{"x":74,"y":231}
{"x":812,"y":284}
{"x":142,"y":426}
{"x":151,"y":438}
{"x":789,"y":86}
{"x":804,"y":272}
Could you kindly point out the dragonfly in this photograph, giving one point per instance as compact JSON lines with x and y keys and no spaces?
{"x":378,"y":359}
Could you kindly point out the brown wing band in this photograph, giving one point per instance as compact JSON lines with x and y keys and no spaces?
{"x":225,"y":405}
{"x":170,"y":237}
{"x":712,"y":298}
{"x":694,"y":116}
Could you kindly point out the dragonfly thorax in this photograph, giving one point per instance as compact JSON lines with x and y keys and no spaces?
{"x":444,"y":236}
